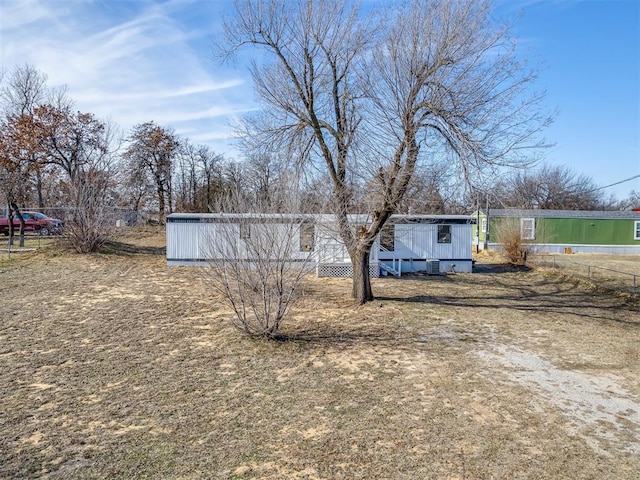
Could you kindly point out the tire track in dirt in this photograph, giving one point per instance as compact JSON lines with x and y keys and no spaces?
{"x":602,"y":412}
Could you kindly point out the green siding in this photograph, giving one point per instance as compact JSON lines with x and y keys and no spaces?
{"x":583,"y":231}
{"x":577,"y":231}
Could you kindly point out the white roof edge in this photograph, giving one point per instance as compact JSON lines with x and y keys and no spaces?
{"x":356,"y":216}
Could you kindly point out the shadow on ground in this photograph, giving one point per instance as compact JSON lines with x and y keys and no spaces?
{"x":125,"y":249}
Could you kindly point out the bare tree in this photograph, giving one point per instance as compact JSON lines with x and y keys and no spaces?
{"x":236,"y":191}
{"x":151,"y":152}
{"x":211,"y":166}
{"x":551,"y":188}
{"x":257,"y":263}
{"x":198,"y":177}
{"x":187,"y":182}
{"x":24,"y":90}
{"x":134,"y":187}
{"x":368,"y":99}
{"x":631,"y":202}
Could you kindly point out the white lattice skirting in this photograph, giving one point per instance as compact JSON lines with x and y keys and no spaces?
{"x":344,"y":270}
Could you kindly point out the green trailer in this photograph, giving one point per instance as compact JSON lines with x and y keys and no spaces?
{"x":559,"y":231}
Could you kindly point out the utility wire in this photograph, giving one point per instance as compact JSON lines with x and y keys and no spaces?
{"x":613,"y":184}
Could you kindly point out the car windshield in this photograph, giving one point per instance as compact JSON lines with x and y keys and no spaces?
{"x":40,"y":216}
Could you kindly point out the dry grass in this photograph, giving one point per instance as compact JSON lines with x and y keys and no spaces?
{"x":116,"y":366}
{"x":618,"y":273}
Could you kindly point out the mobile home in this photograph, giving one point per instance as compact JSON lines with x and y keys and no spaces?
{"x":559,"y":231}
{"x":408,"y":243}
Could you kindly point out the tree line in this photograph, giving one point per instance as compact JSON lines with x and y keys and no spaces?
{"x":52,"y":156}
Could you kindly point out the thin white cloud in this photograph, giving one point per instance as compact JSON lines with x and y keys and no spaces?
{"x":130,"y":61}
{"x":16,"y":15}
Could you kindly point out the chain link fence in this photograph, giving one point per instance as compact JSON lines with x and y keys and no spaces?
{"x":34,"y":240}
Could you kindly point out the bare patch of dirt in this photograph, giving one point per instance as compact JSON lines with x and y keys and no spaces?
{"x":116,"y":366}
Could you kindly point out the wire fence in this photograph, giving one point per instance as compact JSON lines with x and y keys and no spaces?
{"x":32,"y":243}
{"x":123,"y":215}
{"x":35,"y":240}
{"x":599,"y":275}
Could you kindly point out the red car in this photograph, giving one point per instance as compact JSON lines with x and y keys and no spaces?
{"x":34,"y":222}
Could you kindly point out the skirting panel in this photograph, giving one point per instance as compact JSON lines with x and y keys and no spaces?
{"x":344,"y":270}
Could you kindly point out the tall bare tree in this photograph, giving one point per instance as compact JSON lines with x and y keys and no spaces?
{"x":151,"y":152}
{"x":372,"y":97}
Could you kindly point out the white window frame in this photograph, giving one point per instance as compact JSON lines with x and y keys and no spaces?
{"x":636,"y":230}
{"x":532,"y":229}
{"x":444,"y":234}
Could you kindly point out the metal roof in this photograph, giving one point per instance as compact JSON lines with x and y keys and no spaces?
{"x":595,"y":214}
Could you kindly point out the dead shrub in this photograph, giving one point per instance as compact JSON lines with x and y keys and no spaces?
{"x":509,"y":236}
{"x":256,"y":262}
{"x":92,"y":222}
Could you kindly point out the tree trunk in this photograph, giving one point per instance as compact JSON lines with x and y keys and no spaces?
{"x":161,"y":204}
{"x":17,"y":215}
{"x":361,"y":280}
{"x":39,"y":189}
{"x":21,"y":220}
{"x":12,"y":230}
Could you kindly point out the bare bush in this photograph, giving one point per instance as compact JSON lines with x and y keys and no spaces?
{"x":509,"y":236}
{"x":92,"y":222}
{"x":257,"y":263}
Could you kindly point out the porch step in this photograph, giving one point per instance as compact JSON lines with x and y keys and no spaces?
{"x":389,"y":269}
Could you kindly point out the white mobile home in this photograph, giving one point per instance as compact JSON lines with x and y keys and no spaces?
{"x":409,"y":243}
{"x":197,"y":238}
{"x":426,"y":243}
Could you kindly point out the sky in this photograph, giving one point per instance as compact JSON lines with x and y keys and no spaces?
{"x":133,"y":61}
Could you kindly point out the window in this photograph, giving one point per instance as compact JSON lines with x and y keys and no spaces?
{"x":245,"y":231}
{"x":483,"y":228}
{"x":528,"y":228}
{"x":307,"y":237}
{"x":636,"y":231}
{"x":444,"y":233}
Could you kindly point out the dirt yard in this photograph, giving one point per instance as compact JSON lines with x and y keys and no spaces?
{"x":117,"y":366}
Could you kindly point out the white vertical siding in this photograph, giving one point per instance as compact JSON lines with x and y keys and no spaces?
{"x":194,"y":242}
{"x":195,"y":239}
{"x":421,"y":241}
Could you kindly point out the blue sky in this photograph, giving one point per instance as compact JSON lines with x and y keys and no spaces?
{"x":139,"y":60}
